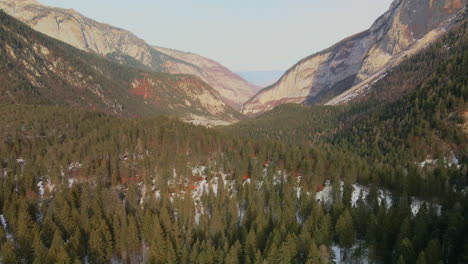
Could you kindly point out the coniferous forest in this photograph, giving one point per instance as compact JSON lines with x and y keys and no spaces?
{"x":384,"y":180}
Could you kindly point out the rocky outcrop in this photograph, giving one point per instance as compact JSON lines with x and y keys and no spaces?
{"x":120,"y":45}
{"x":344,"y":71}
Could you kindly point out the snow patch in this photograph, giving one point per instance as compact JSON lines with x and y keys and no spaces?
{"x":4,"y":223}
{"x":383,"y":196}
{"x":75,"y":165}
{"x":450,"y":161}
{"x":40,"y":185}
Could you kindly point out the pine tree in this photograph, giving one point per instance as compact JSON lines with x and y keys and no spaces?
{"x":234,"y":253}
{"x":100,"y":241}
{"x":258,"y":258}
{"x":171,"y":255}
{"x":433,"y":252}
{"x":2,"y":236}
{"x":250,"y":246}
{"x":9,"y":255}
{"x":401,"y":260}
{"x":313,"y":256}
{"x":273,"y":254}
{"x":347,"y":194}
{"x":24,"y":231}
{"x":57,"y":251}
{"x":406,"y":250}
{"x":40,"y":251}
{"x":345,"y":231}
{"x":75,"y":244}
{"x":131,"y":238}
{"x":421,"y":259}
{"x":232,"y":257}
{"x":158,"y":249}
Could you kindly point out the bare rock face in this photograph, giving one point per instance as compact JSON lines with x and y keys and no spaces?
{"x":86,"y":34}
{"x":72,"y":28}
{"x":345,"y":70}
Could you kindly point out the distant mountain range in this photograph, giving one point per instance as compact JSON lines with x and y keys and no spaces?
{"x":261,"y":78}
{"x":348,"y":69}
{"x":124,"y":47}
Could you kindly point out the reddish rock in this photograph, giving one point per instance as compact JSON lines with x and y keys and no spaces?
{"x":144,"y":88}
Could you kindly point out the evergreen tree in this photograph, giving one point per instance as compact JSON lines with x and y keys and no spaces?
{"x":345,"y":231}
{"x":434,"y":252}
{"x":100,"y":242}
{"x":9,"y":255}
{"x":57,"y":252}
{"x":421,"y":258}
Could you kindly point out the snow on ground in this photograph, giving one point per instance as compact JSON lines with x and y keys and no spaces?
{"x":143,"y":193}
{"x":351,"y":256}
{"x":198,"y":187}
{"x":71,"y":181}
{"x":279,"y":176}
{"x":3,"y":221}
{"x":201,"y":185}
{"x":427,"y":162}
{"x":75,"y":165}
{"x":448,"y":161}
{"x":383,"y":195}
{"x":206,"y":121}
{"x":416,"y":205}
{"x":325,"y":196}
{"x":40,"y":185}
{"x":298,"y":192}
{"x":49,"y":186}
{"x":4,"y":224}
{"x":337,"y":252}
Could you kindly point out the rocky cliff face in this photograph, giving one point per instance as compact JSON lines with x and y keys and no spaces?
{"x":346,"y":70}
{"x":124,"y":47}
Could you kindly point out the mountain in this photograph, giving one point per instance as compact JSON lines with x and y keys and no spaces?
{"x":347,"y":69}
{"x":124,"y":47}
{"x":36,"y":69}
{"x":231,"y":86}
{"x":416,"y":112}
{"x":261,"y":78}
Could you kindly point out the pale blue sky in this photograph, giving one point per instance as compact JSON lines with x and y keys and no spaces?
{"x":241,"y":34}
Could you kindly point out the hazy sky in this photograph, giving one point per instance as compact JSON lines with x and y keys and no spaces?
{"x":241,"y":34}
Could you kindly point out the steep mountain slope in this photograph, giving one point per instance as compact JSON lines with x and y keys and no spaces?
{"x":417,"y":112}
{"x":356,"y":62}
{"x":40,"y":70}
{"x":124,"y":47}
{"x":231,"y":86}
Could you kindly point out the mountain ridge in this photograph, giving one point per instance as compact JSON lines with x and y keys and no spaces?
{"x":118,"y":44}
{"x":360,"y":58}
{"x":37,"y":69}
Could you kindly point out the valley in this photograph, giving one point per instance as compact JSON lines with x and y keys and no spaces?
{"x":113,"y":150}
